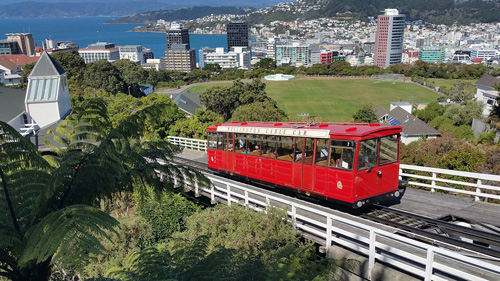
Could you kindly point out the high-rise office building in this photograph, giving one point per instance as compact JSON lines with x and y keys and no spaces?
{"x":9,"y":48}
{"x":389,"y":38}
{"x":100,"y":51}
{"x":177,"y":34}
{"x":238,"y":35}
{"x":25,"y":42}
{"x":180,"y":58}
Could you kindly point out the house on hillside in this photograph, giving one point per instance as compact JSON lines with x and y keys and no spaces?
{"x":413,"y":128}
{"x":43,"y":104}
{"x":12,"y":65}
{"x":486,"y":93}
{"x":187,"y":101}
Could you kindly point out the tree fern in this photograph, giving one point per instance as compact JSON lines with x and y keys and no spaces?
{"x":68,"y":235}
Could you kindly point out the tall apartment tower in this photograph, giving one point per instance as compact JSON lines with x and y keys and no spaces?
{"x":25,"y":42}
{"x":179,"y":56}
{"x":389,"y":38}
{"x":238,"y":35}
{"x":177,"y":34}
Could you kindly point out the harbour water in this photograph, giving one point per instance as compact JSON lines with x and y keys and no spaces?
{"x":88,"y":30}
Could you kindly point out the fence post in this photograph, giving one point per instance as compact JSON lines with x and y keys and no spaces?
{"x":429,"y":265}
{"x":328,"y":233}
{"x":228,"y":194}
{"x":478,"y":191}
{"x":372,"y":252}
{"x":212,"y":194}
{"x":433,"y":182}
{"x":294,"y":216}
{"x":268,"y":203}
{"x":246,"y":198}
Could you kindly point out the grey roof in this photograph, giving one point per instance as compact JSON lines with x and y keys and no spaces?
{"x":380,"y":111}
{"x":11,"y":103}
{"x":412,"y":126}
{"x":46,"y":66}
{"x":488,"y":81}
{"x":187,"y":101}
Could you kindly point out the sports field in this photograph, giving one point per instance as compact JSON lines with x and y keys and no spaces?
{"x":336,"y":99}
{"x":448,"y":83}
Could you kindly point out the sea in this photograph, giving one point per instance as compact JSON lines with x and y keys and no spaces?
{"x":89,"y":30}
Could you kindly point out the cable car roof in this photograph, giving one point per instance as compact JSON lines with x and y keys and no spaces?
{"x":314,"y":130}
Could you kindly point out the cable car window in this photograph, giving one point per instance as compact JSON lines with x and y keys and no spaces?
{"x":212,"y":140}
{"x":389,"y":149}
{"x":309,"y":151}
{"x":240,"y":143}
{"x":322,"y":152}
{"x":285,"y":148}
{"x":367,"y":156}
{"x":228,"y":142}
{"x":269,"y":146}
{"x":342,"y":154}
{"x":253,"y":145}
{"x":299,"y":147}
{"x":219,"y":140}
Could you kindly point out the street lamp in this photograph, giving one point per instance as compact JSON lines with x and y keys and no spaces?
{"x":129,"y":89}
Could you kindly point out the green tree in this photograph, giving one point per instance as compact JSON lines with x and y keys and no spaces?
{"x":212,"y":67}
{"x":365,"y":115}
{"x":238,"y":244}
{"x":461,"y":91}
{"x":27,"y":68}
{"x":71,"y":62}
{"x":266,"y":63}
{"x":462,"y":114}
{"x":266,"y":111}
{"x":195,"y":126}
{"x":132,"y":74}
{"x":103,"y":75}
{"x":431,"y":111}
{"x":220,"y":100}
{"x":49,"y":213}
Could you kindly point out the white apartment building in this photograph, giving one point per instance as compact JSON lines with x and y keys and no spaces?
{"x":224,"y":60}
{"x":244,"y":56}
{"x":132,"y":52}
{"x":296,"y":54}
{"x":100,"y":51}
{"x":484,"y":54}
{"x":154,"y":64}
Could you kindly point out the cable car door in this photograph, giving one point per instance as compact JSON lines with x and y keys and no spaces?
{"x":307,"y":166}
{"x":367,"y":181}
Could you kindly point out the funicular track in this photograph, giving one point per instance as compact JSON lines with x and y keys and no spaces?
{"x":436,"y":232}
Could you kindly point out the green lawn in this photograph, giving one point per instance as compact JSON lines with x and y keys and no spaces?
{"x":448,"y":83}
{"x":336,"y":99}
{"x":203,"y":87}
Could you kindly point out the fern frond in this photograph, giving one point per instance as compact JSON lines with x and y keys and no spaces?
{"x":68,"y":236}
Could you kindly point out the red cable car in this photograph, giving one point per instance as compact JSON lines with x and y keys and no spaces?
{"x":353,"y":163}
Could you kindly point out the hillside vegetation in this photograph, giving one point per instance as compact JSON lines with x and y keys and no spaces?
{"x":439,"y":12}
{"x":180,"y":14}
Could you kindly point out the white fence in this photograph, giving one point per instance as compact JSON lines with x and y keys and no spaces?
{"x":474,"y":181}
{"x":480,"y":183}
{"x":408,"y":255}
{"x":195,"y":144}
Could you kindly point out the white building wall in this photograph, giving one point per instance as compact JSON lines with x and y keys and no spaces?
{"x":44,"y":113}
{"x":488,"y":97}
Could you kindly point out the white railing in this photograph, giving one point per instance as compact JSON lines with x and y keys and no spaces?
{"x":195,"y":144}
{"x":476,"y":181}
{"x":435,"y":180}
{"x":424,"y":260}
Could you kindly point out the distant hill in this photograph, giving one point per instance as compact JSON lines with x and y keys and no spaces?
{"x":181,"y":14}
{"x":435,"y":11}
{"x":68,"y":9}
{"x":112,"y":8}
